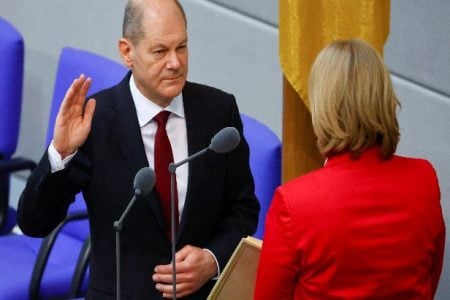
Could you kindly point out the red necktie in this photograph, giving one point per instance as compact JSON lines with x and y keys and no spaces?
{"x":163,"y":157}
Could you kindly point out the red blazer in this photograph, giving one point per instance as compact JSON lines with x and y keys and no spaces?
{"x":355,"y":229}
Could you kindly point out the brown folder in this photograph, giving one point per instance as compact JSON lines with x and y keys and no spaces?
{"x":237,"y":280}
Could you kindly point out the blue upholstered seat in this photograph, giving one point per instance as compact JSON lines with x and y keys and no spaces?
{"x":265,"y":163}
{"x":18,"y":253}
{"x":11,"y":81}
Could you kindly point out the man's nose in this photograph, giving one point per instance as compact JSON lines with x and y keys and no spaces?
{"x":173,"y":61}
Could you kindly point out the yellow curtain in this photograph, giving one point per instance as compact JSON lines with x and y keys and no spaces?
{"x":306,"y":26}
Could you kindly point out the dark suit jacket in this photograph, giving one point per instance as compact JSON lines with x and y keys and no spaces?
{"x":220,"y":206}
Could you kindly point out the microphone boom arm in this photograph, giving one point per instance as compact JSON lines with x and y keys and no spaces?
{"x":174,"y":166}
{"x":118,"y":224}
{"x":224,"y":141}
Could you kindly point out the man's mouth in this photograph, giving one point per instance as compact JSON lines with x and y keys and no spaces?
{"x":173,"y":77}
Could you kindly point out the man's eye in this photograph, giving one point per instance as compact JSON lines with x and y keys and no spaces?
{"x":159,"y":52}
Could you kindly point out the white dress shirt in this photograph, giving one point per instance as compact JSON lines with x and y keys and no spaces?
{"x":176,"y":131}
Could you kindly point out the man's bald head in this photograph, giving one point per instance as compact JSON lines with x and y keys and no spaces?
{"x":136,"y":10}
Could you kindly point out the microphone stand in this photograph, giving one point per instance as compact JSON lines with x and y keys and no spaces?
{"x":143,"y":183}
{"x":222,"y":142}
{"x":172,"y":234}
{"x":172,"y":168}
{"x":118,"y":228}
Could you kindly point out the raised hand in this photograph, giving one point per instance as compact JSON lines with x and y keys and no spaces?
{"x":195,"y":266}
{"x":74,"y":119}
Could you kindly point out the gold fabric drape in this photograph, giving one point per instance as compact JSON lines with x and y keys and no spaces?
{"x":305,"y":27}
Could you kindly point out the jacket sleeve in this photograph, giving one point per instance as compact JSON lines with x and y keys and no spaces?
{"x":45,"y":200}
{"x":278,"y":267}
{"x":438,"y":222}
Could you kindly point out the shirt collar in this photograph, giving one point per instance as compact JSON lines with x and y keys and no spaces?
{"x":146,"y":109}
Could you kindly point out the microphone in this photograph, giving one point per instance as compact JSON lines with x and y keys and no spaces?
{"x":225,"y":140}
{"x":143,"y":183}
{"x":222,"y":142}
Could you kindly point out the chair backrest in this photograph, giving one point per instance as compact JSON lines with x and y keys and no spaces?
{"x":11,"y":83}
{"x":73,"y":62}
{"x":265,"y":164}
{"x":104,"y":73}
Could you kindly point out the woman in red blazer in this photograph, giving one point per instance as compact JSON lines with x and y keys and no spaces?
{"x":368,"y":225}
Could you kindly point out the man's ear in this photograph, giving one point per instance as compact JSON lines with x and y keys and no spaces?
{"x":125,"y":50}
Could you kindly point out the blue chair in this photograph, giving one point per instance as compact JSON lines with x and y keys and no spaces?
{"x":34,"y":268}
{"x":11,"y":83}
{"x":265,"y":164}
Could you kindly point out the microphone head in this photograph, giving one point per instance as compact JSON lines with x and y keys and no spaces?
{"x":225,"y":140}
{"x":144,"y":181}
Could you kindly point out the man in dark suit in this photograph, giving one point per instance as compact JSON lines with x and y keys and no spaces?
{"x":99,"y":145}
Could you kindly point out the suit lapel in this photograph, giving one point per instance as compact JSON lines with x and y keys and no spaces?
{"x":198,"y":139}
{"x":125,"y":129}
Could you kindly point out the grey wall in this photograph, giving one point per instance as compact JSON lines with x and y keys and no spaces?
{"x":229,"y":49}
{"x":234,"y":46}
{"x":238,"y":53}
{"x":418,"y":56}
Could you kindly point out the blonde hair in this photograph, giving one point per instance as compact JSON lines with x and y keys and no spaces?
{"x":353,"y":104}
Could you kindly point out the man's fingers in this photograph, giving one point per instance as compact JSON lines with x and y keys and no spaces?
{"x":70,"y":94}
{"x":182,"y":289}
{"x":167,"y":289}
{"x":86,"y":84}
{"x":162,"y":278}
{"x":163,"y":269}
{"x":167,"y":277}
{"x":89,"y":110}
{"x":73,"y":92}
{"x":183,"y":253}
